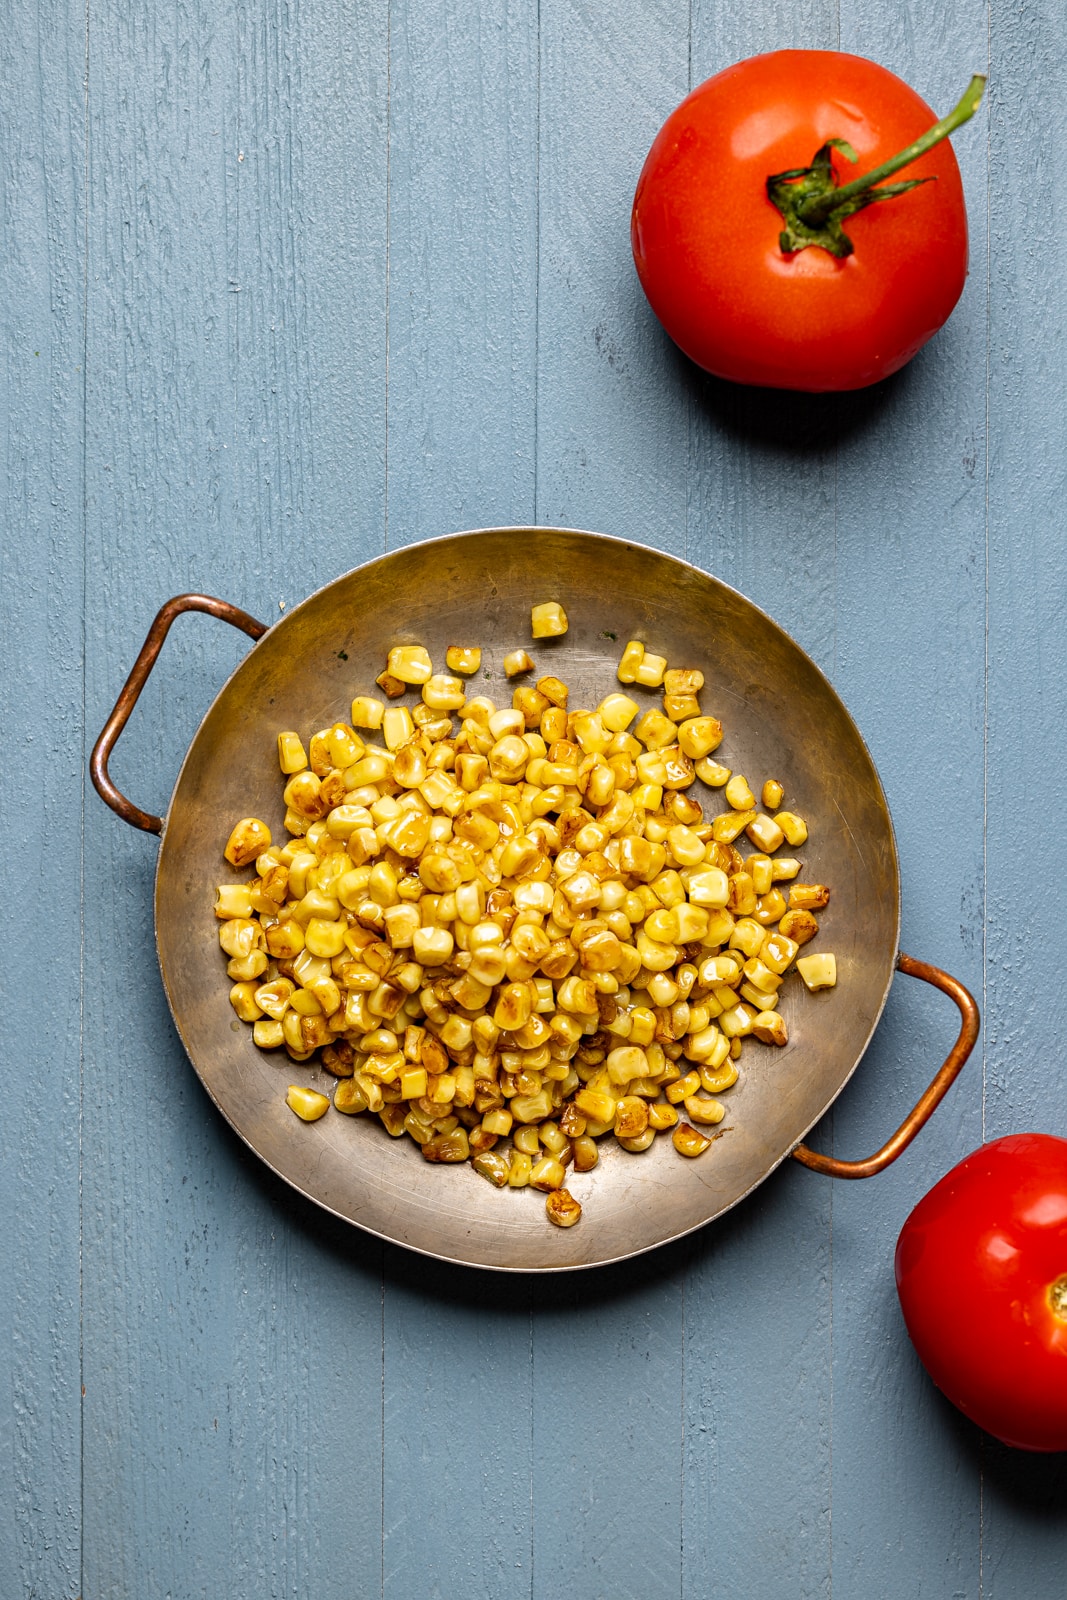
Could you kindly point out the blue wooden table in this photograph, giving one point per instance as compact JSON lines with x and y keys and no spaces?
{"x":290,"y":285}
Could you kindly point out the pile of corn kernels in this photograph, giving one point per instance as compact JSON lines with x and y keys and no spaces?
{"x":513,"y":937}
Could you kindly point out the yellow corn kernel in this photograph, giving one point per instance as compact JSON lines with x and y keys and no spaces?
{"x":325,"y":938}
{"x":548,"y":621}
{"x":771,"y":794}
{"x":677,"y":1091}
{"x":617,"y":711}
{"x":555,"y":691}
{"x":631,"y":1117}
{"x":597,"y":1105}
{"x":777,"y":952}
{"x":519,"y":661}
{"x":285,"y":939}
{"x":699,"y":736}
{"x":709,"y":887}
{"x":249,"y":839}
{"x":764,"y":831}
{"x":463,"y":658}
{"x":650,"y":669}
{"x":711,"y":773}
{"x":586,"y":1154}
{"x":519,"y":1170}
{"x":720,"y":1072}
{"x":706,"y":1112}
{"x":655,"y":731}
{"x":639,"y":1142}
{"x":367,"y":712}
{"x":769,"y":1026}
{"x":738,"y":793}
{"x":410,"y":663}
{"x":818,"y":971}
{"x":292,"y":757}
{"x":308,"y":1104}
{"x":268,"y":1034}
{"x":808,"y":897}
{"x":688,"y":1142}
{"x":443,"y":693}
{"x":493,"y":1165}
{"x":447,"y":1147}
{"x":547,"y":1173}
{"x":737,"y":1020}
{"x":794,"y":827}
{"x":680,"y":707}
{"x":432,"y":947}
{"x":726,"y":828}
{"x":397,"y":727}
{"x":631,"y":659}
{"x":350,"y":1097}
{"x":243,"y":1001}
{"x":233,"y":900}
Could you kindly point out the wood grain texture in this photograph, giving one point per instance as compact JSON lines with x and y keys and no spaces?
{"x":42,"y":134}
{"x":316,"y":279}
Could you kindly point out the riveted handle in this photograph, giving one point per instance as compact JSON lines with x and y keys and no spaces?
{"x":131,"y":690}
{"x":928,"y":1104}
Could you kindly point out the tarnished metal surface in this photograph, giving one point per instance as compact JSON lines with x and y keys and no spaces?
{"x":781,"y":718}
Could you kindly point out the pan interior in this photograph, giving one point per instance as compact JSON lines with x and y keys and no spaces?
{"x":781,"y":719}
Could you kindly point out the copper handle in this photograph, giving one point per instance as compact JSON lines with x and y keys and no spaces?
{"x":934,"y":1095}
{"x":131,"y":690}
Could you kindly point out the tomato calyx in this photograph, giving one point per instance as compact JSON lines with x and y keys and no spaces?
{"x":1057,"y":1297}
{"x":815,"y":206}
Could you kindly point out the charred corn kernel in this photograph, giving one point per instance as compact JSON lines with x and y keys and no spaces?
{"x":443,"y":693}
{"x":410,"y":663}
{"x":705,"y":1112}
{"x":561,"y":1207}
{"x":548,"y":621}
{"x":463,"y":658}
{"x":800,"y":926}
{"x":494,"y":1166}
{"x":631,"y":1117}
{"x":447,"y":1147}
{"x":285,"y":939}
{"x":727,"y":827}
{"x":631,"y":659}
{"x":350,"y":1097}
{"x":555,"y":691}
{"x":662,"y":1115}
{"x":711,"y":773}
{"x":307,"y":1103}
{"x":233,"y":900}
{"x":249,"y":839}
{"x":769,"y":1026}
{"x":764,"y":831}
{"x":794,"y":827}
{"x":367,"y":712}
{"x":699,"y":736}
{"x":650,"y":669}
{"x":808,"y":897}
{"x":818,"y":971}
{"x":292,"y":757}
{"x":519,"y":661}
{"x":688,"y":1142}
{"x":738,"y":793}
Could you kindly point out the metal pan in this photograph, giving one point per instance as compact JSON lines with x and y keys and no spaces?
{"x":781,"y":717}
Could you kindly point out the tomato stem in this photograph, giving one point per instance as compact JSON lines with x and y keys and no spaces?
{"x":815,"y":206}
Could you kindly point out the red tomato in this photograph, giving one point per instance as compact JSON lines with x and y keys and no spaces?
{"x":706,"y":236}
{"x":982,"y":1276}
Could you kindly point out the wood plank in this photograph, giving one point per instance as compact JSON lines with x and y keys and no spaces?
{"x":457,"y":1470}
{"x":611,"y":456}
{"x":1024,"y":1507}
{"x":909,"y":661}
{"x":757,"y":1307}
{"x":41,"y":578}
{"x":236,"y":363}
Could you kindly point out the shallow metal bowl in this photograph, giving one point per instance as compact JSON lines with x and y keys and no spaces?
{"x":782,"y":718}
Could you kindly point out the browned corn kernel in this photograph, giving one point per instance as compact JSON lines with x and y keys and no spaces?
{"x":555,"y":690}
{"x":248,"y":840}
{"x":562,"y":1208}
{"x":391,"y":687}
{"x":800,"y":926}
{"x":452,"y":1146}
{"x":688,"y":1142}
{"x":808,"y":896}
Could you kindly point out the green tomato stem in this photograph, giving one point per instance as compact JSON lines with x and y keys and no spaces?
{"x":817,"y":209}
